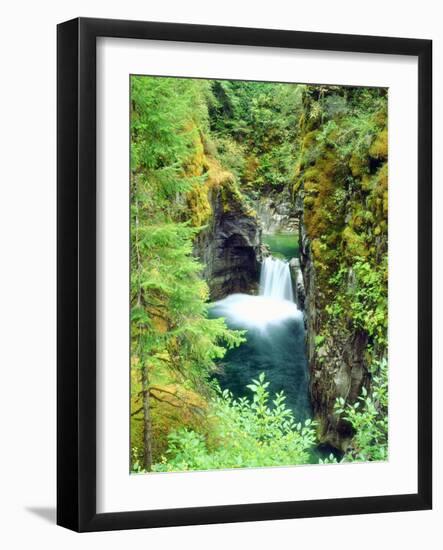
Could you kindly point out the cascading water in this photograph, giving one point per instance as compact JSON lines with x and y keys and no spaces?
{"x":275,"y":279}
{"x":275,"y":338}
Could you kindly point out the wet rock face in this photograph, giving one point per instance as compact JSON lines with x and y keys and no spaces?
{"x":230,"y":249}
{"x":277,"y":214}
{"x":298,"y":284}
{"x":336,"y":363}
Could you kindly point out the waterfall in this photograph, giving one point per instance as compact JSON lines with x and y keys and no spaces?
{"x":274,"y":306}
{"x":275,"y":338}
{"x":275,"y":279}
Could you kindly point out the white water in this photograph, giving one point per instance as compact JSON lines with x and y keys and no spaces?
{"x":273,"y":306}
{"x":275,"y":279}
{"x":275,"y":339}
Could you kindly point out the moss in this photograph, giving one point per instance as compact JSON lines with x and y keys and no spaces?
{"x":197,"y":199}
{"x":358,"y":165}
{"x":382,"y":187}
{"x":217,"y":179}
{"x":194,"y":164}
{"x":233,"y":200}
{"x":296,"y":186}
{"x":217,"y":176}
{"x":316,"y":249}
{"x":310,"y":139}
{"x":366,"y":182}
{"x":319,"y":199}
{"x":379,"y":147}
{"x":309,"y":149}
{"x":345,"y":194}
{"x":381,"y":117}
{"x":225,"y":182}
{"x":251,"y":165}
{"x":199,"y":205}
{"x":377,"y":200}
{"x":354,"y":244}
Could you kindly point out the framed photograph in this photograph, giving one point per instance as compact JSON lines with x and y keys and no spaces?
{"x":244,"y":274}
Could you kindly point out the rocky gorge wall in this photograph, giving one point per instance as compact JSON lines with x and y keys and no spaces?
{"x":338,"y":207}
{"x":230,"y":247}
{"x":337,"y":362}
{"x":228,"y":243}
{"x":276,"y":213}
{"x":341,"y":197}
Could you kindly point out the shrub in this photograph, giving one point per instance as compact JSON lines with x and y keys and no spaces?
{"x":369,"y":417}
{"x":247,"y":433}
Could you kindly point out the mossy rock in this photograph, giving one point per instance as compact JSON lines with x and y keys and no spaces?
{"x":355,"y":244}
{"x":358,"y":165}
{"x":199,"y":205}
{"x":379,"y":147}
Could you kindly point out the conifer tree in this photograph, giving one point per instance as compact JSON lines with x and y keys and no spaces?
{"x":169,"y":324}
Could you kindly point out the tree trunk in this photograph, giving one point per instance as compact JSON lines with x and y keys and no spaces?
{"x":147,"y":424}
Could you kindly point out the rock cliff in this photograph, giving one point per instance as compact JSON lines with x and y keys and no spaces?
{"x":229,"y":247}
{"x":341,"y":197}
{"x":277,"y":213}
{"x":336,"y":357}
{"x":229,"y":243}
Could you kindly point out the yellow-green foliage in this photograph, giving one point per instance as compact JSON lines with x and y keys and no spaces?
{"x":318,"y":196}
{"x":199,"y":205}
{"x":354,"y":243}
{"x":193,"y":166}
{"x":358,"y":165}
{"x":215,"y":178}
{"x":221,"y":180}
{"x":342,"y":172}
{"x":216,"y":174}
{"x":379,"y":147}
{"x":173,"y":405}
{"x":197,"y":198}
{"x":250,"y":171}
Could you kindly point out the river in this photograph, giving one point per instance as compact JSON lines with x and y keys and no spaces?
{"x":275,"y":332}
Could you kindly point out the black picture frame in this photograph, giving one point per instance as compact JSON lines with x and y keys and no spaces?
{"x":76,"y":279}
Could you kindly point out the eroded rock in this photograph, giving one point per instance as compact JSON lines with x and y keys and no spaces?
{"x":230,"y":247}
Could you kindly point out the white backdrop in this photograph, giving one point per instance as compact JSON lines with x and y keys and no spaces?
{"x":27,"y":292}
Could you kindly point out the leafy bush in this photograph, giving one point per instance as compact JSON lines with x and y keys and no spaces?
{"x":331,"y":459}
{"x":369,"y":417}
{"x":369,"y":303}
{"x":361,"y":295}
{"x":246,"y":433}
{"x":231,"y":154}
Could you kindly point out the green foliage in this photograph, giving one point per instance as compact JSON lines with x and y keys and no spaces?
{"x":247,"y":433}
{"x":166,"y":117}
{"x":362,"y":298}
{"x":261,"y":119}
{"x":368,"y":417}
{"x":169,"y":313}
{"x":331,"y":459}
{"x":319,"y":339}
{"x":369,"y":300}
{"x":350,"y":128}
{"x":171,"y":336}
{"x":231,"y":154}
{"x":328,"y":144}
{"x":342,"y":173}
